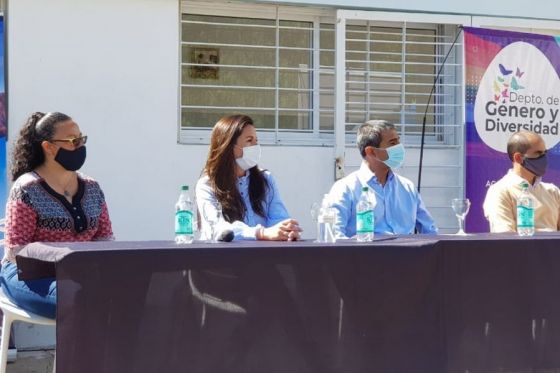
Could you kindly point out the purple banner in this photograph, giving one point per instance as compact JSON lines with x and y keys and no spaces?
{"x":512,"y":84}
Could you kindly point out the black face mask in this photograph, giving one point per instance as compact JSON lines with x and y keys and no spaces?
{"x":536,"y":165}
{"x":71,"y":160}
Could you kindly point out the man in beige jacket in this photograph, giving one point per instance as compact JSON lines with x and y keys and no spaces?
{"x":527,"y":152}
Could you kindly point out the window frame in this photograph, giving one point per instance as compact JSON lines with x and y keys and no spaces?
{"x":399,"y":76}
{"x":276,"y":136}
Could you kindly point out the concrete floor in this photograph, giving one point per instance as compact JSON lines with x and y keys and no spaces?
{"x":32,"y":362}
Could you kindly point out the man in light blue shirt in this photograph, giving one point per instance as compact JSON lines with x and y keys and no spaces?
{"x":399,"y":208}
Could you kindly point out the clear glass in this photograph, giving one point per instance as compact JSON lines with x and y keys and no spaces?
{"x":212,"y":213}
{"x":461,"y":208}
{"x":315,"y":211}
{"x":195,"y":228}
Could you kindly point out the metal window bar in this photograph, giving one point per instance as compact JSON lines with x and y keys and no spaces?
{"x":260,"y":67}
{"x":403,"y":79}
{"x":316,"y":77}
{"x":368,"y":71}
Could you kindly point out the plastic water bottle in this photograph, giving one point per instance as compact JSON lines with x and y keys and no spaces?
{"x":525,"y":212}
{"x":184,"y":217}
{"x":365,"y":217}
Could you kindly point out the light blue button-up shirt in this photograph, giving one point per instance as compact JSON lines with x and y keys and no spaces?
{"x":246,"y":229}
{"x":398,"y":210}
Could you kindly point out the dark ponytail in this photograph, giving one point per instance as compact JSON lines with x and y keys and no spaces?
{"x":28,"y":153}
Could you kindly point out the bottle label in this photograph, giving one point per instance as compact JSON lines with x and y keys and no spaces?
{"x":525,"y":217}
{"x":364,"y":222}
{"x":183,"y":222}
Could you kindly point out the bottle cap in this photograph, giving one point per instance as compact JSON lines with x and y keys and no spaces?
{"x":365,"y":189}
{"x":184,"y":187}
{"x":524,"y":185}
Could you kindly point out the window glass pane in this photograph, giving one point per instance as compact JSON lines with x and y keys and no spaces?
{"x":327,"y":121}
{"x":386,"y":80}
{"x":228,"y":30}
{"x":420,"y":74}
{"x":263,"y":119}
{"x":326,"y":77}
{"x":326,"y":37}
{"x":228,"y":55}
{"x":229,"y":76}
{"x":295,"y":34}
{"x":298,"y":79}
{"x":386,"y":49}
{"x":294,"y":120}
{"x":356,"y":47}
{"x":295,"y":58}
{"x":234,"y":98}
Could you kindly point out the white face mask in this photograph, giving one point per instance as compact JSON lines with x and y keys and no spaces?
{"x":251,"y":156}
{"x":396,"y":156}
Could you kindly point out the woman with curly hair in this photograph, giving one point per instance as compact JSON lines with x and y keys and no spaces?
{"x":49,"y":201}
{"x":248,"y":195}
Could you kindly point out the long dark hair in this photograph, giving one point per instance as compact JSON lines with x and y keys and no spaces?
{"x":28,"y":153}
{"x":220,"y":168}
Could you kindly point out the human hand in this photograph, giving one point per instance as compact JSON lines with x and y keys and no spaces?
{"x":286,"y":230}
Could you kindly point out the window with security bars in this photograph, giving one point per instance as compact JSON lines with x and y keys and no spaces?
{"x":263,"y":67}
{"x":390,"y":72}
{"x":280,"y":70}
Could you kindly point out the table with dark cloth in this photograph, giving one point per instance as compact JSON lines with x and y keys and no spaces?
{"x":479,"y":303}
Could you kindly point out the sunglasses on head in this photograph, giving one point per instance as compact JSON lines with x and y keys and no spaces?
{"x":75,"y":141}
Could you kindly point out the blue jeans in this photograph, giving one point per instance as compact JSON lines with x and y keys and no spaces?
{"x":37,"y":296}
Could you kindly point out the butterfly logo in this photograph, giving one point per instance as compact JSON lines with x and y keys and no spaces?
{"x":506,"y":82}
{"x":515,"y":85}
{"x":504,"y":71}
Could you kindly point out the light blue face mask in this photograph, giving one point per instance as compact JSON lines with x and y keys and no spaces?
{"x":396,"y":156}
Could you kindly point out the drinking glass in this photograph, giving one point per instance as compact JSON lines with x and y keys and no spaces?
{"x":461,"y":208}
{"x":195,"y":229}
{"x":212,"y":212}
{"x":315,"y":211}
